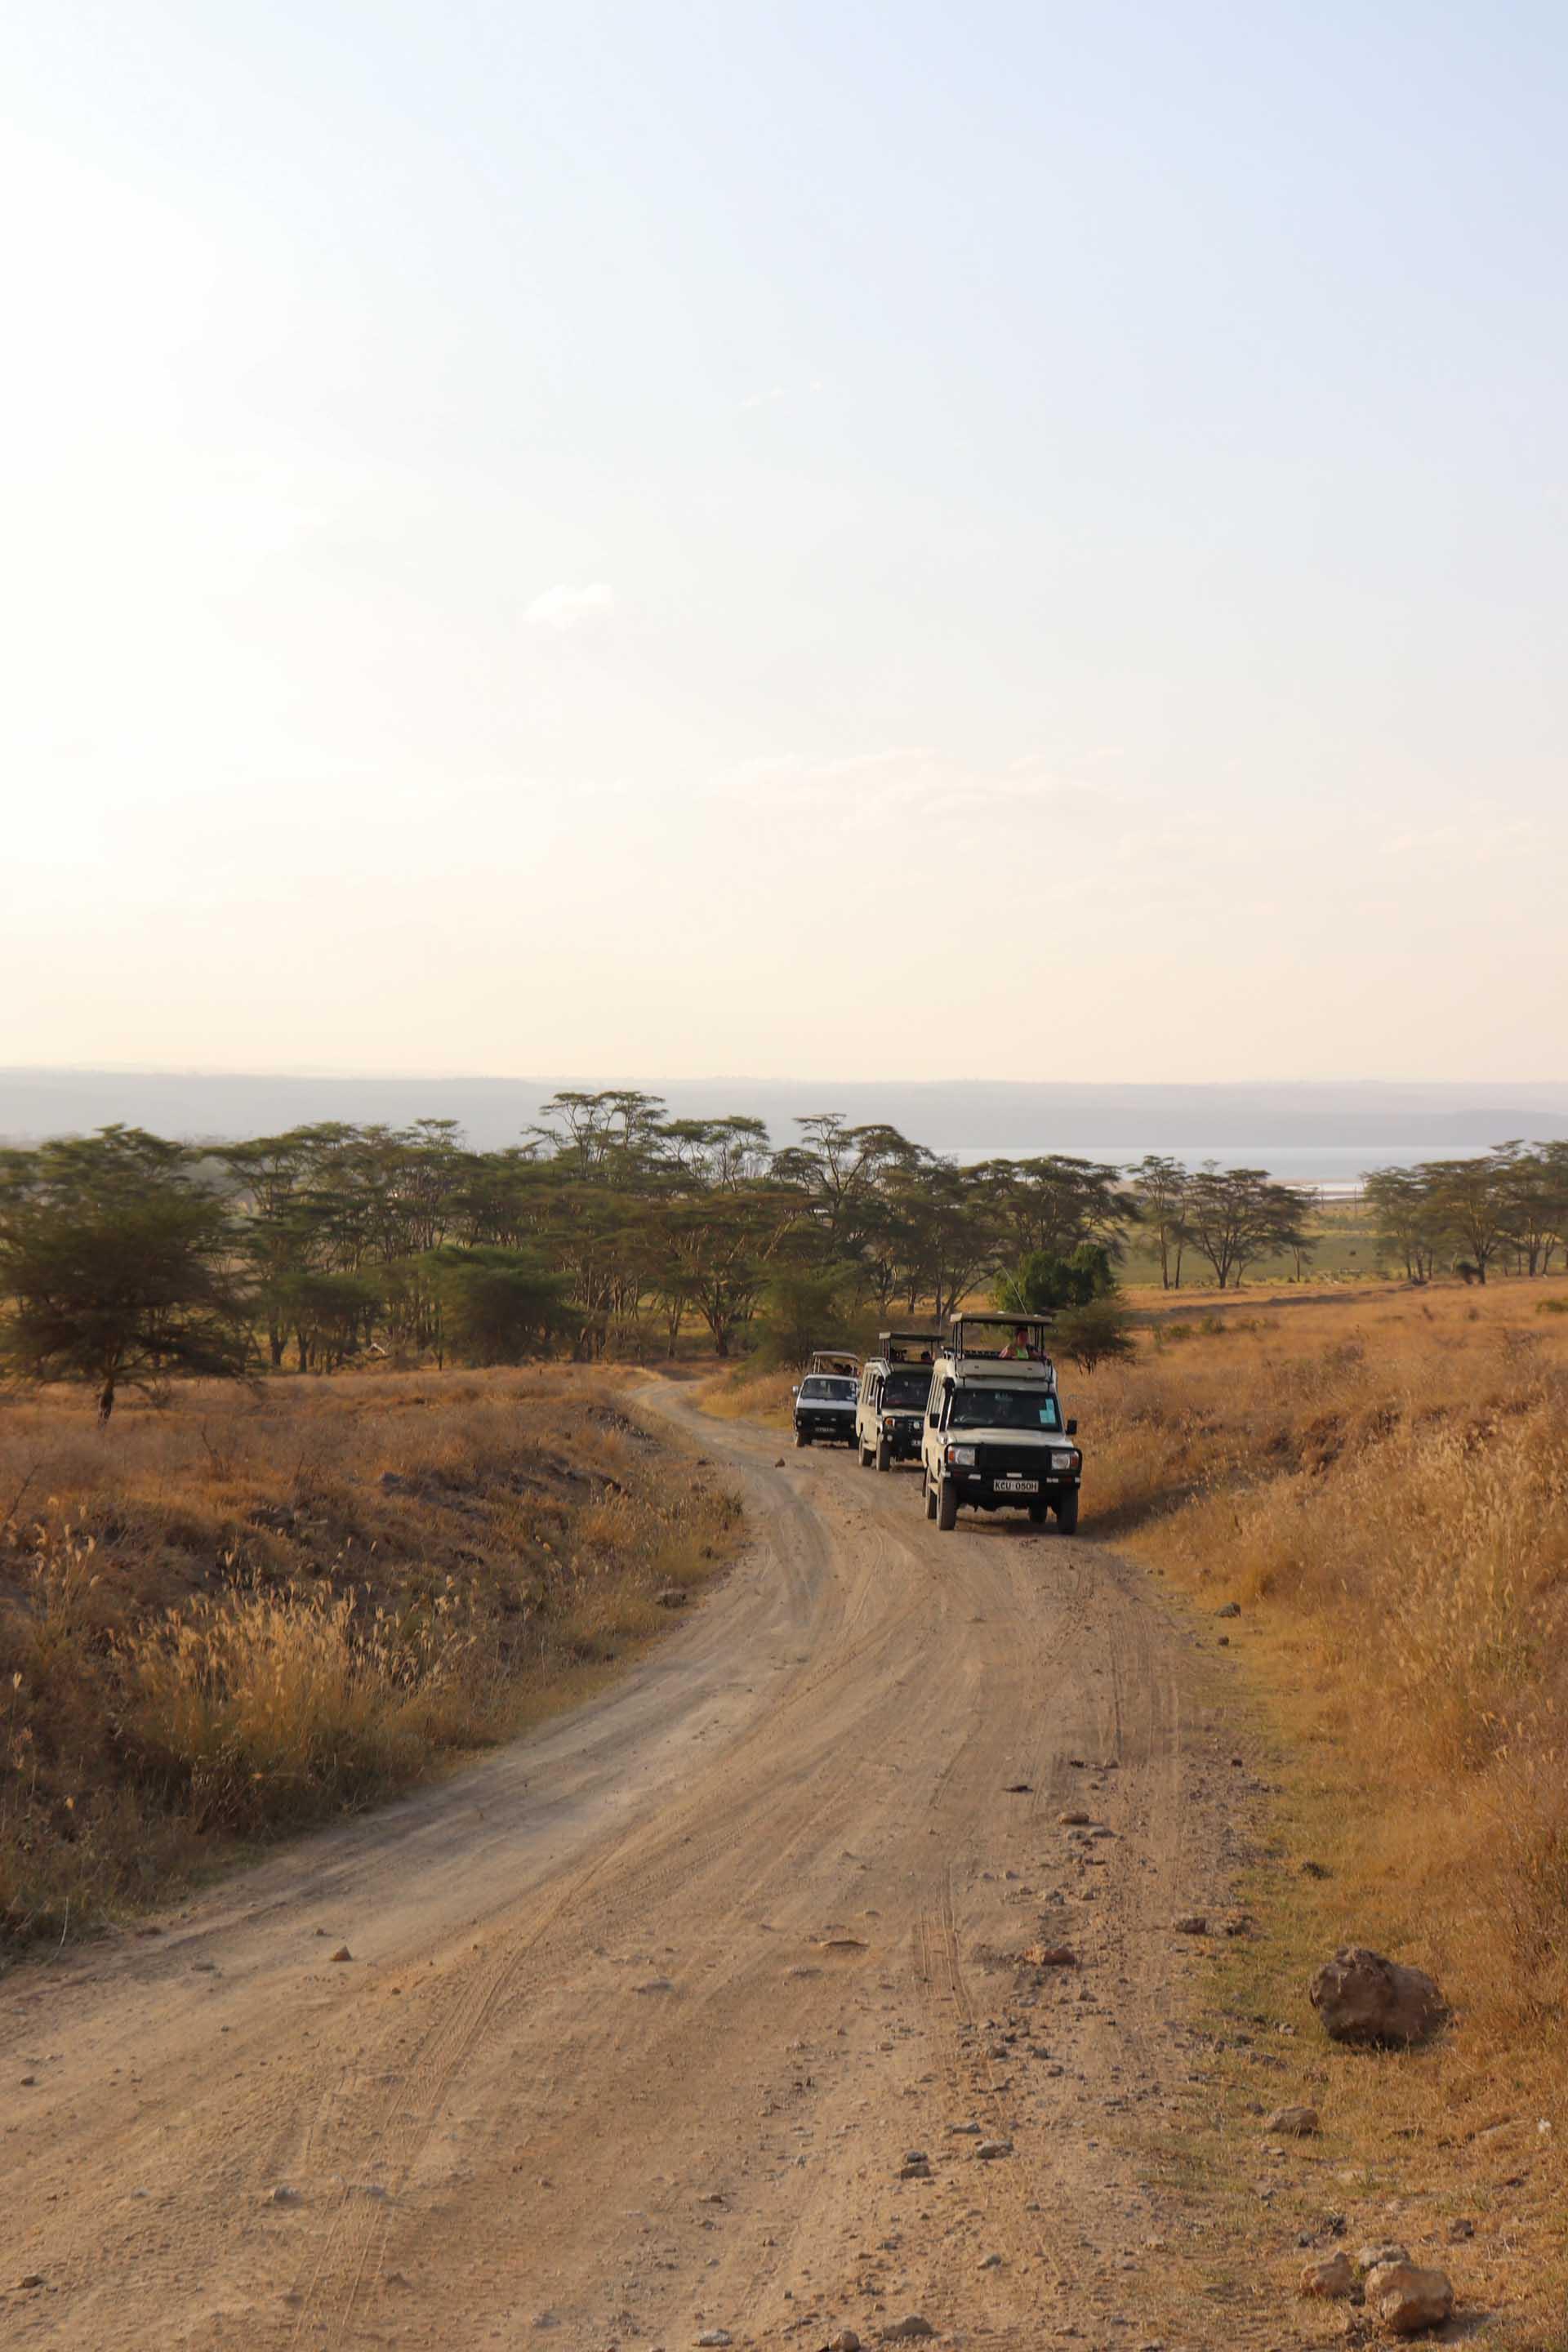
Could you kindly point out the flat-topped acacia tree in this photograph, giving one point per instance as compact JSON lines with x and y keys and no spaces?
{"x":118,"y":1266}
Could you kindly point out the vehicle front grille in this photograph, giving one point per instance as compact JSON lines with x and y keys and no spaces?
{"x":1013,"y":1461}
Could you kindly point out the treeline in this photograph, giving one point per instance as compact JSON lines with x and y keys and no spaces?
{"x":609,"y":1227}
{"x":1508,"y":1210}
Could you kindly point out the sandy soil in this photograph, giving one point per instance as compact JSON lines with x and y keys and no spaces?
{"x":645,"y":2014}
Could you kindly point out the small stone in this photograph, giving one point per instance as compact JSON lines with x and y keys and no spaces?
{"x":342,"y":1953}
{"x":1294,"y":2123}
{"x":1231,"y":1609}
{"x":905,"y":2331}
{"x":1075,"y":1820}
{"x":1374,"y":2257}
{"x":970,"y":2131}
{"x":1194,"y":1924}
{"x":715,"y":2335}
{"x":991,"y":2263}
{"x":33,"y":2279}
{"x":845,"y":2341}
{"x":988,"y":2149}
{"x":1329,"y":2282}
{"x":1407,"y":2298}
{"x":282,"y":2195}
{"x":30,"y":2082}
{"x":655,"y":1984}
{"x":1050,"y":1956}
{"x":671,"y":1596}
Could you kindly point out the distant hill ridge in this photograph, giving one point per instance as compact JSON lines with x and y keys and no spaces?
{"x":947,"y":1114}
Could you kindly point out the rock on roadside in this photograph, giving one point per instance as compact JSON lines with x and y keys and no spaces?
{"x":1294,"y":2123}
{"x":1329,"y":2282}
{"x":1360,"y":1997}
{"x":1408,"y":2299}
{"x":906,"y":2331}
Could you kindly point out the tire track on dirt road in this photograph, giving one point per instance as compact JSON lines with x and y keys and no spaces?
{"x":656,"y":1999}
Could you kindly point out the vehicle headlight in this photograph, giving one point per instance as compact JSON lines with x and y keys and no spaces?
{"x":1061,"y":1461}
{"x":962,"y":1456}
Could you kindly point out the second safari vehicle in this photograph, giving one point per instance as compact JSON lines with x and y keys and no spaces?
{"x":894,"y":1386}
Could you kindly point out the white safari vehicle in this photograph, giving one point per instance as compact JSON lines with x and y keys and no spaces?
{"x":825,"y":1409}
{"x":993,"y":1437}
{"x":894,"y":1387}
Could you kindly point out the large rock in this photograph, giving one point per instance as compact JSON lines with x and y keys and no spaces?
{"x":1361,"y":1997}
{"x":1407,"y":2298}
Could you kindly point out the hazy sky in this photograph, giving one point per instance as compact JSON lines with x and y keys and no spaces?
{"x":680,"y":536}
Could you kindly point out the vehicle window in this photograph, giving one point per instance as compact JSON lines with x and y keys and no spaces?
{"x":909,"y":1389}
{"x":823,"y":1389}
{"x":976,"y":1408}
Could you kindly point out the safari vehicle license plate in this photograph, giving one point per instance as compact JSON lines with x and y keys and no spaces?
{"x":1016,"y":1485}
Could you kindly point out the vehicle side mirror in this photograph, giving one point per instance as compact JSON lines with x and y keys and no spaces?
{"x":1072,"y":1429}
{"x":795,"y":1393}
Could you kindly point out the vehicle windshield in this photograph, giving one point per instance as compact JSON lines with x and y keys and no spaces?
{"x":821,"y":1389}
{"x":909,"y":1389}
{"x":1004,"y":1409}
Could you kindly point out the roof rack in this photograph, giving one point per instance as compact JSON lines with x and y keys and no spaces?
{"x":993,"y":1335}
{"x":908,"y":1347}
{"x":841,"y":1361}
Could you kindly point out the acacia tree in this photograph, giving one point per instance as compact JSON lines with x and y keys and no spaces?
{"x":1159,"y":1189}
{"x":1237,"y":1215}
{"x":1473,"y":1198}
{"x":118,"y":1266}
{"x":1410,"y":1217}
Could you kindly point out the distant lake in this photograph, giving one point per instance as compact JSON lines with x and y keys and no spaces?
{"x":1292,"y":1163}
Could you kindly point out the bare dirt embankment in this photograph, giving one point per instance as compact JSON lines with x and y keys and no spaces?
{"x":646,"y":2015}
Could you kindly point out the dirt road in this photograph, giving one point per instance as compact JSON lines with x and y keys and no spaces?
{"x":645,"y":2014}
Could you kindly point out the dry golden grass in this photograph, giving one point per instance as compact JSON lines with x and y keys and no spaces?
{"x":244,"y":1612}
{"x":1381,"y":1482}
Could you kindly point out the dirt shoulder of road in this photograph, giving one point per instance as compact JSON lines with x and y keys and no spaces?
{"x":1375,"y":1485}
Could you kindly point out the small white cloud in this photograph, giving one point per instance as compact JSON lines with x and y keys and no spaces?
{"x":571,"y":608}
{"x":764,"y":399}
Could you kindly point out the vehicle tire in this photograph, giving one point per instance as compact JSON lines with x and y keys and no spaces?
{"x":866,"y":1457}
{"x":1067,"y":1512}
{"x":801,"y":1438}
{"x":884,"y":1454}
{"x":929,"y":1495}
{"x":1038,"y":1512}
{"x":947,"y":1508}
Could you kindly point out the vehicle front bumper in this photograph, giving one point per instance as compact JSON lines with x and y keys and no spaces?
{"x":839,"y":1427}
{"x":901,"y":1435}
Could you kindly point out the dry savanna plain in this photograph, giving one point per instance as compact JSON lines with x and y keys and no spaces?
{"x":525,"y":1857}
